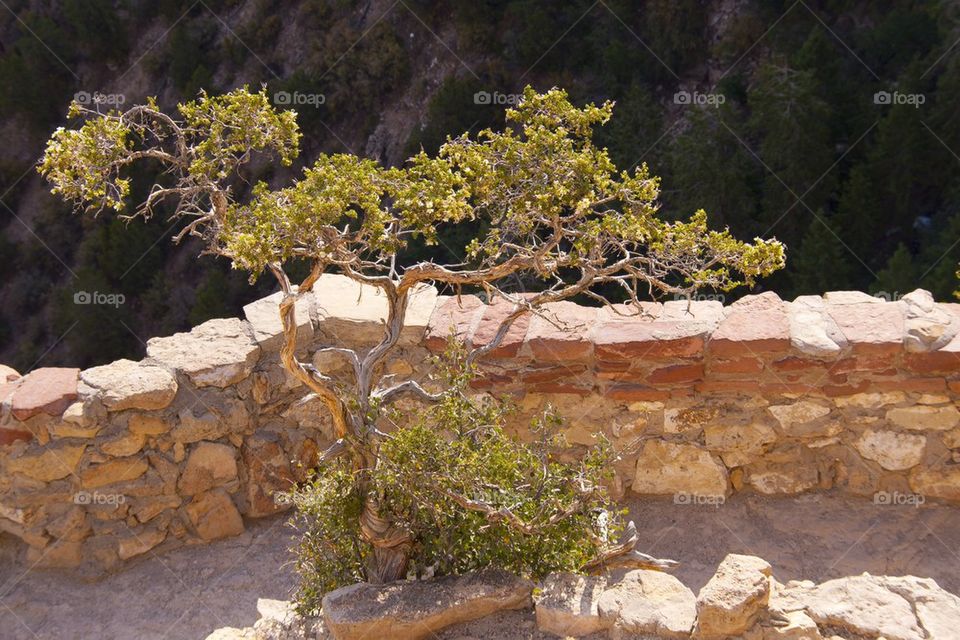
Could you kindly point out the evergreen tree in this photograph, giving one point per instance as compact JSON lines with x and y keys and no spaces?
{"x":821,"y":263}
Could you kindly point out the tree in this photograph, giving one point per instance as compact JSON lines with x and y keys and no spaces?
{"x":556,"y":210}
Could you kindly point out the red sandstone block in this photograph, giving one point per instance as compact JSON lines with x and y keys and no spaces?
{"x":787,"y":388}
{"x":562,"y":333}
{"x":744,"y":387}
{"x":871,"y":327}
{"x":491,"y":380}
{"x":551,"y":374}
{"x":639,"y":341}
{"x":49,"y":390}
{"x":932,"y":362}
{"x":739,"y":365}
{"x":9,"y":436}
{"x":490,"y":322}
{"x":676,"y":374}
{"x":559,"y":387}
{"x":836,"y":391}
{"x":635,"y":393}
{"x":673,"y":330}
{"x":602,"y":366}
{"x":916,"y":385}
{"x":453,"y":315}
{"x":754,"y":324}
{"x":628,"y":375}
{"x":862,"y":363}
{"x":954,"y":386}
{"x":798,"y":364}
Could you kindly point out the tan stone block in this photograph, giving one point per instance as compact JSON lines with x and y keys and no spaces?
{"x":113,"y":471}
{"x":146,"y":424}
{"x":738,"y":444}
{"x":209,"y":465}
{"x":666,"y":468}
{"x":892,"y":450}
{"x":868,"y":401}
{"x":47,"y":464}
{"x":217,"y":353}
{"x":125,"y":384}
{"x":126,"y":444}
{"x":139,"y":542}
{"x":925,"y":418}
{"x":214,"y":515}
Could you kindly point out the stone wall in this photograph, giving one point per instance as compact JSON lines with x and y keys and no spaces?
{"x":844,"y":392}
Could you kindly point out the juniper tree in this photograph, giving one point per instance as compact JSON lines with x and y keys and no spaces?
{"x":554,"y":210}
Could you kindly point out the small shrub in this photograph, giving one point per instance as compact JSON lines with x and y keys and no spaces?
{"x":471,"y":496}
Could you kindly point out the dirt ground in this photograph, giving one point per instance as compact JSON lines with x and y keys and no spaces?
{"x":192,"y":591}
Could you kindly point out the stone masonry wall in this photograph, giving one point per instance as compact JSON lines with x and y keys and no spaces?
{"x":844,"y":392}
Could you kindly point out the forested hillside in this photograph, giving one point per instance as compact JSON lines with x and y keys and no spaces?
{"x":831,"y":125}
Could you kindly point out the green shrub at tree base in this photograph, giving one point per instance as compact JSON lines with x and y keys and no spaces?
{"x":471,"y":496}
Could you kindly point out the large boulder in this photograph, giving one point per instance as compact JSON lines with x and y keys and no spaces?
{"x":413,"y":610}
{"x":567,"y":605}
{"x":866,"y":606}
{"x":648,"y":603}
{"x":732,"y":601}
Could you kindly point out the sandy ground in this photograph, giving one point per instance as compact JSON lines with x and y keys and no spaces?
{"x":192,"y":591}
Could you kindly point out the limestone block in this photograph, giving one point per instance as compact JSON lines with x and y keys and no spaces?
{"x":567,"y":604}
{"x":925,"y":418}
{"x":414,"y":610}
{"x":214,"y":515}
{"x":217,"y":353}
{"x":264,"y":318}
{"x":649,"y":604}
{"x":733,"y":599}
{"x":125,"y":384}
{"x":667,"y":468}
{"x":209,"y":465}
{"x":892,"y":450}
{"x":928,"y":326}
{"x":350,"y":313}
{"x":812,"y":330}
{"x":755,"y":324}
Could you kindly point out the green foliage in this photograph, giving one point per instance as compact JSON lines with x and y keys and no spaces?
{"x":87,"y":165}
{"x":542,"y":174}
{"x":457,"y":452}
